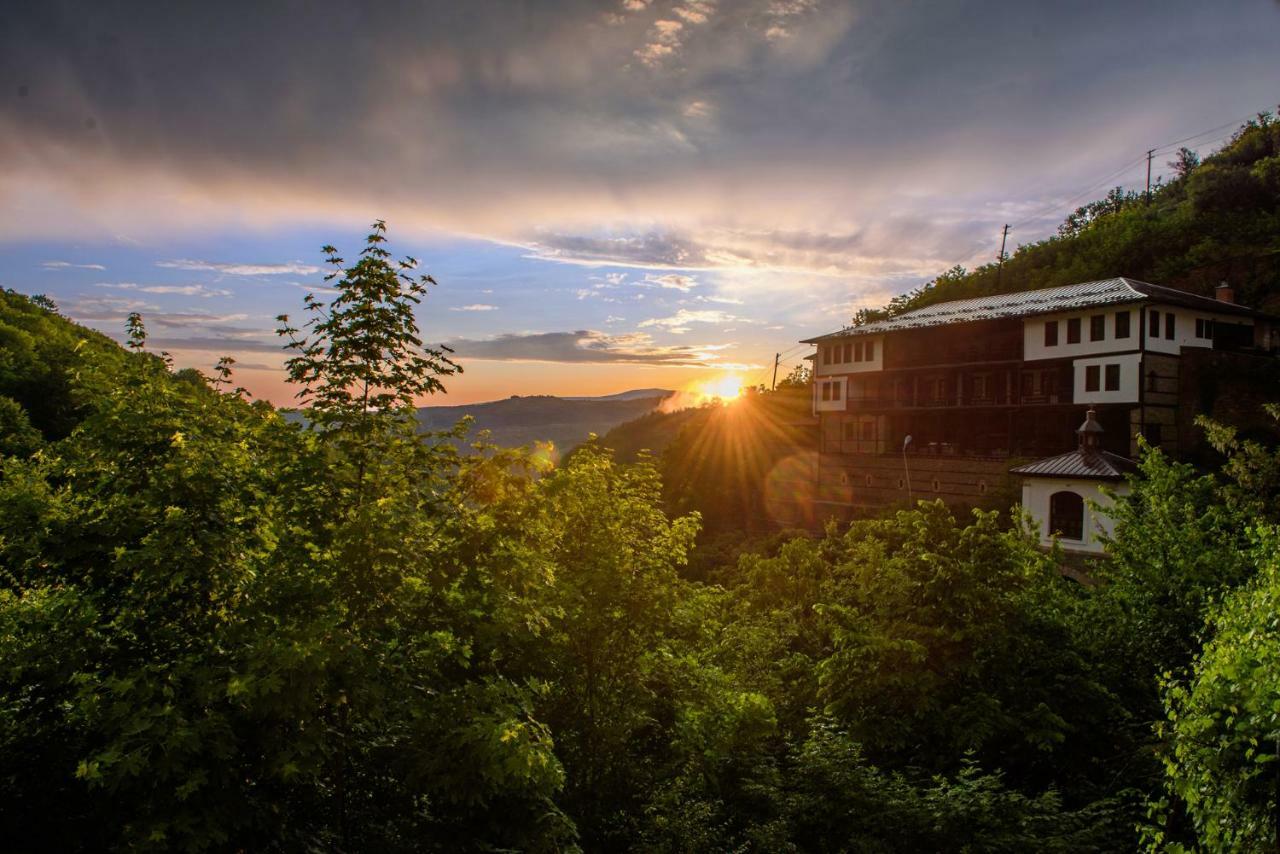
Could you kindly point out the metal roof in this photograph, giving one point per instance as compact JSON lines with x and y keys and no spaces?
{"x":1043,"y":301}
{"x":1087,"y":465}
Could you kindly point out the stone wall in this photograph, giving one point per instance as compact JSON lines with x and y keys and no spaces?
{"x":852,"y":485}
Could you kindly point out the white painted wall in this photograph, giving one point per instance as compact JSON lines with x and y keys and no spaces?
{"x":820,"y":405}
{"x":852,"y":367}
{"x":1184,"y":328}
{"x":1033,"y":347}
{"x":1035,"y":500}
{"x":1130,"y":379}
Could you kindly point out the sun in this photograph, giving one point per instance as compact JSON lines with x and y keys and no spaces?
{"x":726,"y":387}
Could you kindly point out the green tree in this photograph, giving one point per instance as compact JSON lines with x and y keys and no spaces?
{"x":1223,"y":721}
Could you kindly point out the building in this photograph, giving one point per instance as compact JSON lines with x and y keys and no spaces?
{"x":939,"y":401}
{"x":1065,"y":494}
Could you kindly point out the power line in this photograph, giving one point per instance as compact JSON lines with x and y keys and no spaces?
{"x":1090,"y":189}
{"x":1235,"y":123}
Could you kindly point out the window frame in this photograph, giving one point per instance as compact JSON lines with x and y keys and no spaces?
{"x":1072,"y":515}
{"x":1092,"y":378}
{"x":1115,"y":326}
{"x":1111,"y":377}
{"x":1051,"y":333}
{"x":1170,"y":328}
{"x":1153,"y":323}
{"x":1098,"y":327}
{"x":1073,"y":330}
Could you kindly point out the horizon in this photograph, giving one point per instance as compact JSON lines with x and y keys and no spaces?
{"x":612,"y":196}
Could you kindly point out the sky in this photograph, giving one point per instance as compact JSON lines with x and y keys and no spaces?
{"x":611,"y":195}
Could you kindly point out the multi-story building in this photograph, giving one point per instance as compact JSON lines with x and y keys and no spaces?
{"x":940,"y":400}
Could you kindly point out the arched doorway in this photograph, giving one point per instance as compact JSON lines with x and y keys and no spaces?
{"x":1066,"y":515}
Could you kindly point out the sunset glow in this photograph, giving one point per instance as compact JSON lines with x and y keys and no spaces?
{"x":726,"y":387}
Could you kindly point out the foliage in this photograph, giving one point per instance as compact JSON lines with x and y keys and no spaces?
{"x":1224,"y":721}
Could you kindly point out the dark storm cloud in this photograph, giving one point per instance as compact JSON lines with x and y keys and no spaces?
{"x":777,"y":133}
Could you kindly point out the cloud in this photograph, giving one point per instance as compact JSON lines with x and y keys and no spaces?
{"x":679,"y":323}
{"x":215,"y":344}
{"x":653,"y":249}
{"x":586,"y":346}
{"x":296,"y":268}
{"x":477,"y":306}
{"x":673,"y":281}
{"x":779,"y":135}
{"x":65,"y":265}
{"x":180,"y":290}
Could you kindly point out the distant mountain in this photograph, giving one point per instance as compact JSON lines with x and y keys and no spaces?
{"x":563,"y":421}
{"x":634,"y":394}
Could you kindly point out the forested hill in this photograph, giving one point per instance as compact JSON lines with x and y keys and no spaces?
{"x":563,"y":421}
{"x":41,"y":353}
{"x":1214,"y":221}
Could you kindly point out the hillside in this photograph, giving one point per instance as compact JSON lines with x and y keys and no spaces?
{"x":563,"y":421}
{"x":745,"y":466}
{"x":1215,"y":221}
{"x":41,"y":353}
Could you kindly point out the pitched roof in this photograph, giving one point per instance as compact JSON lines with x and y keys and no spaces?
{"x":1043,"y":301}
{"x":1085,"y":465}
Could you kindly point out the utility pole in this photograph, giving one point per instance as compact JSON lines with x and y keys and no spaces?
{"x":1150,"y":153}
{"x":776,"y":357}
{"x":1004,"y":235}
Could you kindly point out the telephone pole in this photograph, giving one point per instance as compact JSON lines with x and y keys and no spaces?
{"x":1004,"y":235}
{"x":1150,"y":152}
{"x":776,"y":357}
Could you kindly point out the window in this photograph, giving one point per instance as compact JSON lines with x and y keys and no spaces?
{"x":1113,"y":378}
{"x":1204,"y":328}
{"x":1028,"y":384}
{"x":1168,"y":325}
{"x":870,"y":352}
{"x":1097,"y":327}
{"x":845,"y":353}
{"x":1066,"y":515}
{"x":1092,"y":373}
{"x":1122,"y":324}
{"x":826,"y":391}
{"x":868,"y":431}
{"x":980,"y":387}
{"x":1155,"y":323}
{"x":835,"y":390}
{"x":826,"y":355}
{"x":1153,"y":433}
{"x":1073,"y":331}
{"x":1048,"y":383}
{"x":1051,"y":333}
{"x":857,"y":352}
{"x":849,"y":428}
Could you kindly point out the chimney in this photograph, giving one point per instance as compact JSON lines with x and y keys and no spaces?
{"x":1224,"y":293}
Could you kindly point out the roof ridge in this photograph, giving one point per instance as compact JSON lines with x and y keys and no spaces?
{"x":1116,"y":290}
